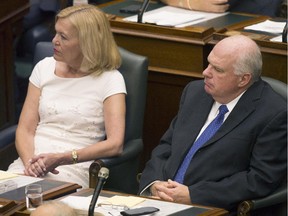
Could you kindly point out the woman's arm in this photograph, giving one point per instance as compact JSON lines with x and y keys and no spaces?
{"x":25,"y":132}
{"x":114,"y":119}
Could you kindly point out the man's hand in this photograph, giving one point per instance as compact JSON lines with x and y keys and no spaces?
{"x":171,"y":191}
{"x":157,"y":188}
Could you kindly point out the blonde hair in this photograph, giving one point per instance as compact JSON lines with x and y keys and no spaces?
{"x":99,"y":49}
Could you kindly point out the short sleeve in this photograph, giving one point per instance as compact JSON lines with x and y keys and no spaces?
{"x":115,"y":84}
{"x":35,"y":76}
{"x":43,"y":71}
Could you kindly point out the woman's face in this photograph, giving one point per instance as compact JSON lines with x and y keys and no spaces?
{"x":66,"y":44}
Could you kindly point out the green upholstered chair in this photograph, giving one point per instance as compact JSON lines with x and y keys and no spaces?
{"x":276,"y":203}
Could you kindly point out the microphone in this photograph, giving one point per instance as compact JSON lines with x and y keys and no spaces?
{"x":102,"y":176}
{"x":142,"y":10}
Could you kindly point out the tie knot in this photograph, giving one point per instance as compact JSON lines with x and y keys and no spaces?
{"x":223,"y":109}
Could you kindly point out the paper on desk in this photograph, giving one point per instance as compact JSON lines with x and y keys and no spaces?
{"x":78,"y":202}
{"x":268,"y":26}
{"x":6,"y":181}
{"x":6,"y":175}
{"x":23,"y":180}
{"x":19,"y":180}
{"x":165,"y":208}
{"x":81,"y":204}
{"x":172,"y":16}
{"x":129,"y":201}
{"x":277,"y":39}
{"x":7,"y":185}
{"x":167,"y":18}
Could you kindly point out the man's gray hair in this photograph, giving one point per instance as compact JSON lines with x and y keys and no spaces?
{"x":251,"y":62}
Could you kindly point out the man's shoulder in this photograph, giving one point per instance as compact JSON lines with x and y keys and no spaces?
{"x":267,"y":96}
{"x":196,"y":84}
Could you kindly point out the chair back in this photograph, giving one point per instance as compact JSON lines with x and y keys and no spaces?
{"x":42,"y":50}
{"x":134,"y":69}
{"x":278,"y":86}
{"x":8,"y":151}
{"x":276,"y":203}
{"x":281,"y":193}
{"x":124,"y":169}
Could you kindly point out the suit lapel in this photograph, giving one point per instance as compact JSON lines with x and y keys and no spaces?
{"x":194,"y":121}
{"x":245,"y":106}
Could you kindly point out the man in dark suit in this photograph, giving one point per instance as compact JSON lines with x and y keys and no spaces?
{"x":244,"y":159}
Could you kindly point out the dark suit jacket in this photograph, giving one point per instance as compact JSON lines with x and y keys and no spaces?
{"x":263,"y":7}
{"x":246,"y":158}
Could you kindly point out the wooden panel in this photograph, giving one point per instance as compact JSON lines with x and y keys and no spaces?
{"x":166,"y":54}
{"x":11,"y":13}
{"x":4,"y":80}
{"x":167,"y":48}
{"x":163,"y":97}
{"x":274,"y":65}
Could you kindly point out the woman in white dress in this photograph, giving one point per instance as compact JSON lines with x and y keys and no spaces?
{"x":74,"y":111}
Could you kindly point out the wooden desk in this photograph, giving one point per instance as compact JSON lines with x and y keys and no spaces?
{"x":176,"y":57}
{"x":274,"y":53}
{"x":197,"y":210}
{"x":11,"y":14}
{"x":9,"y":207}
{"x":179,"y":51}
{"x":51,"y":190}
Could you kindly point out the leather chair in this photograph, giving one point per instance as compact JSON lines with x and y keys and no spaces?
{"x":38,"y":25}
{"x":124,"y":168}
{"x":282,"y":12}
{"x":8,"y":151}
{"x":276,"y":203}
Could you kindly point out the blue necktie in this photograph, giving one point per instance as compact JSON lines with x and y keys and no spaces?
{"x":203,"y":138}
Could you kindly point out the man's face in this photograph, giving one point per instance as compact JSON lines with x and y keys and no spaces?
{"x":219,"y":77}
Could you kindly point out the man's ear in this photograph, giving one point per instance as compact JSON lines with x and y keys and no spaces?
{"x":245,"y":79}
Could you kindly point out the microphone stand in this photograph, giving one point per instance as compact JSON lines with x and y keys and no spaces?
{"x":142,"y":10}
{"x":102,"y":176}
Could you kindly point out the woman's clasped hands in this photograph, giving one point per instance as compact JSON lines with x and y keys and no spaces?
{"x":40,"y":165}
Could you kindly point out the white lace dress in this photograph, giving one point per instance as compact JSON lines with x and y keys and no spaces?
{"x":71,"y":115}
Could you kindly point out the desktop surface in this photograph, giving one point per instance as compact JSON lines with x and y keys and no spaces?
{"x":164,"y":206}
{"x":51,"y":189}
